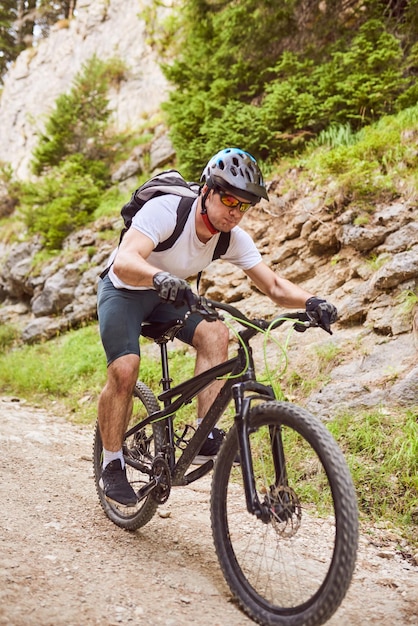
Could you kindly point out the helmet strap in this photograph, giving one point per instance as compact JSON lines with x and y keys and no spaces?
{"x":211,"y":228}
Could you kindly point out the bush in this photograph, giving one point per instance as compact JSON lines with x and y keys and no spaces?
{"x":62,"y":201}
{"x":79,"y":121}
{"x":74,"y":155}
{"x":278,"y":92}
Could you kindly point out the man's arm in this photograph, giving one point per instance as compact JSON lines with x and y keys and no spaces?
{"x":287,"y":294}
{"x":130,"y":264}
{"x":282,"y":291}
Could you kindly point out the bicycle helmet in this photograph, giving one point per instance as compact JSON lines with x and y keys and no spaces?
{"x":235,"y":171}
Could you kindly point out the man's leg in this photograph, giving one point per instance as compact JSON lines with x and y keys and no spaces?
{"x":115,"y":401}
{"x":120,"y":316}
{"x":115,"y":405}
{"x":211,"y":343}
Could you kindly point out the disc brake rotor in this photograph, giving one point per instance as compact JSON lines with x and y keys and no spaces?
{"x":285,"y":510}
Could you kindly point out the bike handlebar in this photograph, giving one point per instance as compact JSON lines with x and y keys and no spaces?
{"x":209,"y":309}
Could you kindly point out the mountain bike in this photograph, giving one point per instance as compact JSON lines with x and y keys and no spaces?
{"x":284,"y":520}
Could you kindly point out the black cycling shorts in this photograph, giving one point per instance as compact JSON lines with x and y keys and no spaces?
{"x":122,"y":311}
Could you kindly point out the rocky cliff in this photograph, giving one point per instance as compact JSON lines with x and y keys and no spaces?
{"x":107,"y":28}
{"x":374,"y":347}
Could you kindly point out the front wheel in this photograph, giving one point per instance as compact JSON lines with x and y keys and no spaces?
{"x":139,"y":451}
{"x":293,"y":566}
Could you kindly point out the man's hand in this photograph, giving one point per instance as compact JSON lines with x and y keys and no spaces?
{"x":322,"y":312}
{"x":172,"y":289}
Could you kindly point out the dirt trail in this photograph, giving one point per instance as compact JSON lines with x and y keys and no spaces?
{"x":62,"y":562}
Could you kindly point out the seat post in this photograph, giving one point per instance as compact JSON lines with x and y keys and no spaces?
{"x":165,"y":381}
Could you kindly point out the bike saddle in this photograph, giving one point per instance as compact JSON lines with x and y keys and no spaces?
{"x":161,"y":330}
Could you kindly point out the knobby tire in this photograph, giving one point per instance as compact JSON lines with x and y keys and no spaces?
{"x":143,"y":446}
{"x":294,"y":569}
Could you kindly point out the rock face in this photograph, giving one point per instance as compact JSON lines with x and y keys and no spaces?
{"x":368,"y":271}
{"x":375,"y":336}
{"x":107,"y":28}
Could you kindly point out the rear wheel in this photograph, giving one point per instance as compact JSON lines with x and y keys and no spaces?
{"x":293,"y":566}
{"x":140,"y":450}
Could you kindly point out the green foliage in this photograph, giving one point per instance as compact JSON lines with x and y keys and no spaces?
{"x":359,"y":84}
{"x":74,"y":154}
{"x":266,"y":96}
{"x":79,"y":121}
{"x":336,"y":135}
{"x":408,"y":300}
{"x":377,"y":158}
{"x":73,"y":366}
{"x":8,"y":336}
{"x":62,"y":201}
{"x":382,"y":451}
{"x":375,"y":262}
{"x":7,"y":40}
{"x":110,"y":202}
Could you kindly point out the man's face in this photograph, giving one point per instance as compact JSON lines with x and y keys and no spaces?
{"x":225,"y":210}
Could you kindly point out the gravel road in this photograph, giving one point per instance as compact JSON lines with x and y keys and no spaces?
{"x":63,"y":563}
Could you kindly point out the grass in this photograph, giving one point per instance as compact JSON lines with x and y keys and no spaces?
{"x":378,"y":161}
{"x":376,"y":261}
{"x":111,"y":202}
{"x":407,"y":299}
{"x":8,"y":336}
{"x":67,"y":370}
{"x":381,"y":448}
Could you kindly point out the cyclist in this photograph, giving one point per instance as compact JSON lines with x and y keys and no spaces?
{"x":145,"y":285}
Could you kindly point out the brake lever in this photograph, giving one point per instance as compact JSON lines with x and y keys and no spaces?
{"x":307,"y":320}
{"x":208,"y":311}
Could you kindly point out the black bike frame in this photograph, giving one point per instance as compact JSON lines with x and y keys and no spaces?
{"x":240,"y":380}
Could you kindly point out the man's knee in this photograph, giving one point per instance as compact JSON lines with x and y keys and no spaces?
{"x":123,"y":372}
{"x":213,"y":335}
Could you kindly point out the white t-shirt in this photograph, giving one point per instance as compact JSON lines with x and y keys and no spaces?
{"x":188,"y":255}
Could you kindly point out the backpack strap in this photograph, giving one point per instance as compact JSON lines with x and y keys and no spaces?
{"x":183,"y":212}
{"x":220,"y":249}
{"x":221,"y":246}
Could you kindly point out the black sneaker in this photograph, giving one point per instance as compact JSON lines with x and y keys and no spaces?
{"x":116,"y":486}
{"x":210,"y":448}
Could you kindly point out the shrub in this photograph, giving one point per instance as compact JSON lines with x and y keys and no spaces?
{"x":62,"y":201}
{"x":277,"y":93}
{"x":79,"y":121}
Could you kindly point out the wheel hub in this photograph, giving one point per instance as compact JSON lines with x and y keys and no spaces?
{"x":284,"y":509}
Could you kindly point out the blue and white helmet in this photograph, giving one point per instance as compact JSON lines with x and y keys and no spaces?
{"x":236,"y":171}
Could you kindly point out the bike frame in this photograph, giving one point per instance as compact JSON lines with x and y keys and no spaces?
{"x":238,"y":384}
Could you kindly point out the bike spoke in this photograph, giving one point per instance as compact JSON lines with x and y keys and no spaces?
{"x":296,"y":562}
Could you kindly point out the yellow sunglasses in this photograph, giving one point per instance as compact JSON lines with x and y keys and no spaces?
{"x":232,"y":202}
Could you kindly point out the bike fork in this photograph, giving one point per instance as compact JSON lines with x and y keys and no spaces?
{"x":242,"y":411}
